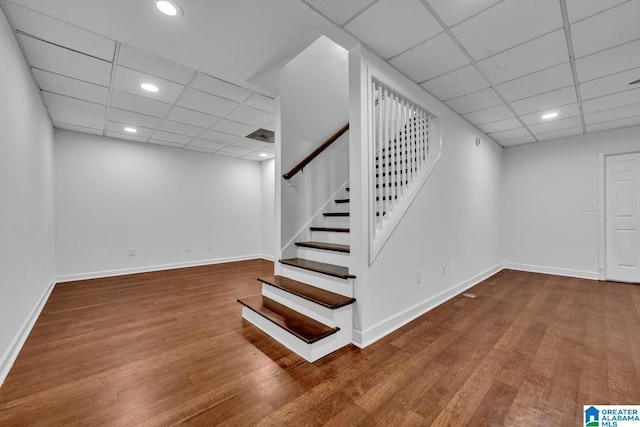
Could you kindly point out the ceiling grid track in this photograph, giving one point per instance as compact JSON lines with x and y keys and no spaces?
{"x":572,"y":60}
{"x":114,"y":68}
{"x":477,"y":67}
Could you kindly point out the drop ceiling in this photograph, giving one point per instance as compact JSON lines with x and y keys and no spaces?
{"x":501,"y":64}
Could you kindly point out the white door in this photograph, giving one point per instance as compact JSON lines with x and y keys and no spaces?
{"x":622,"y":198}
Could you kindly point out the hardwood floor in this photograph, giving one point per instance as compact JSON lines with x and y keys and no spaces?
{"x":171,"y":348}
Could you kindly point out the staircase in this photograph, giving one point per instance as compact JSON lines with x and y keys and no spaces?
{"x":309,"y":309}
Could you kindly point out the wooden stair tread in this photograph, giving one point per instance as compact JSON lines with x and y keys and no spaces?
{"x":303,"y":327}
{"x":320,"y":267}
{"x":340,"y":201}
{"x":336,"y":214}
{"x":319,"y":296}
{"x":334,"y":229}
{"x":325,"y":246}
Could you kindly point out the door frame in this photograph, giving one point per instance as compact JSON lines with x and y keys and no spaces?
{"x":602,"y":220}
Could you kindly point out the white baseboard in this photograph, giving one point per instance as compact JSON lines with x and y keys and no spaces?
{"x":362,"y":339}
{"x":11,"y":354}
{"x":148,"y":269}
{"x":593,"y":275}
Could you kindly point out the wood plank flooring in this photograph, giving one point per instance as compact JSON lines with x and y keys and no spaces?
{"x":171,"y":347}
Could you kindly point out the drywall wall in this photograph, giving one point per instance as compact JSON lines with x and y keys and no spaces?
{"x":550,"y":189}
{"x":26,"y":201}
{"x":268,"y":175}
{"x":451,"y":234}
{"x":171,"y":207}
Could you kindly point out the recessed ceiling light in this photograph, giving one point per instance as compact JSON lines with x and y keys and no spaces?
{"x":131,"y":130}
{"x":549,"y":116}
{"x":149,"y":87}
{"x":264,"y":155}
{"x":169,"y":8}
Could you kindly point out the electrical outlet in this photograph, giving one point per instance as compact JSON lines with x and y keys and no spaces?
{"x":187,"y":248}
{"x":418,"y":277}
{"x":444,"y":269}
{"x":208,"y":245}
{"x":132,"y":251}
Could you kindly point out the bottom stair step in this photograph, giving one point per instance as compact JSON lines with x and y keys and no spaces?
{"x":303,"y":327}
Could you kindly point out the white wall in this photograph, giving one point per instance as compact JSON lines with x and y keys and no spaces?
{"x":268,"y":175}
{"x":314,"y":104}
{"x":26,"y":200}
{"x":546,"y":187}
{"x":455,"y":220}
{"x":113,"y":195}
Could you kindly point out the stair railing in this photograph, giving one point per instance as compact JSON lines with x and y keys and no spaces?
{"x":297,"y":168}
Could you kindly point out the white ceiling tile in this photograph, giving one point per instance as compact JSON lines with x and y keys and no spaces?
{"x":206,"y":103}
{"x":517,"y":141}
{"x":543,"y":81}
{"x":190,"y":117}
{"x":220,"y":88}
{"x":493,"y":114}
{"x":418,"y":63}
{"x":152,"y":64}
{"x":197,"y":149}
{"x":393,"y":26}
{"x":270,"y":126}
{"x":234,"y":128}
{"x":607,"y":29}
{"x":610,"y":61}
{"x":509,"y":134}
{"x":607,"y":85}
{"x":614,"y":124}
{"x":456,"y":83}
{"x":544,"y":101}
{"x":613,"y":114}
{"x":206,"y":144}
{"x":165,"y":143}
{"x":73,"y":105}
{"x":453,"y":12}
{"x":262,"y":102}
{"x":554,"y":125}
{"x":61,"y":33}
{"x":250,"y":116}
{"x":562,"y":133}
{"x":339,"y":11}
{"x":142,"y":132}
{"x":219,"y":137}
{"x":615,"y":100}
{"x":74,"y":128}
{"x":131,"y":118}
{"x":63,"y":61}
{"x":571,"y":110}
{"x":507,"y":24}
{"x":180,"y":128}
{"x":251,"y":143}
{"x":256,"y":157}
{"x":126,"y":136}
{"x":535,"y":55}
{"x":269,"y":149}
{"x":171,"y":137}
{"x":238,"y":150}
{"x":500,"y":125}
{"x":227,"y":154}
{"x":580,"y":9}
{"x":139,"y":104}
{"x":58,"y":116}
{"x":129,"y":80}
{"x":476,"y":101}
{"x":71,"y":87}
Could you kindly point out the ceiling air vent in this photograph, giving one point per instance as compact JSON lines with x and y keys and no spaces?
{"x":263,"y":135}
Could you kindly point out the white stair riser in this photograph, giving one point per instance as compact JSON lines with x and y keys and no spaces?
{"x":340,"y":207}
{"x":310,"y":352}
{"x":321,"y":255}
{"x":319,"y":280}
{"x":336,"y":221}
{"x":331,"y":237}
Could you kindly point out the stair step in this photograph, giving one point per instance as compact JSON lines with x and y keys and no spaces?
{"x":320,"y":267}
{"x":334,"y":229}
{"x":303,"y":327}
{"x":336,"y":214}
{"x":319,"y":296}
{"x":325,"y":246}
{"x":348,"y":189}
{"x":340,"y":201}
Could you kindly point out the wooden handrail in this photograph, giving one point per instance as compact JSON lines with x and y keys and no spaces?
{"x":297,"y":168}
